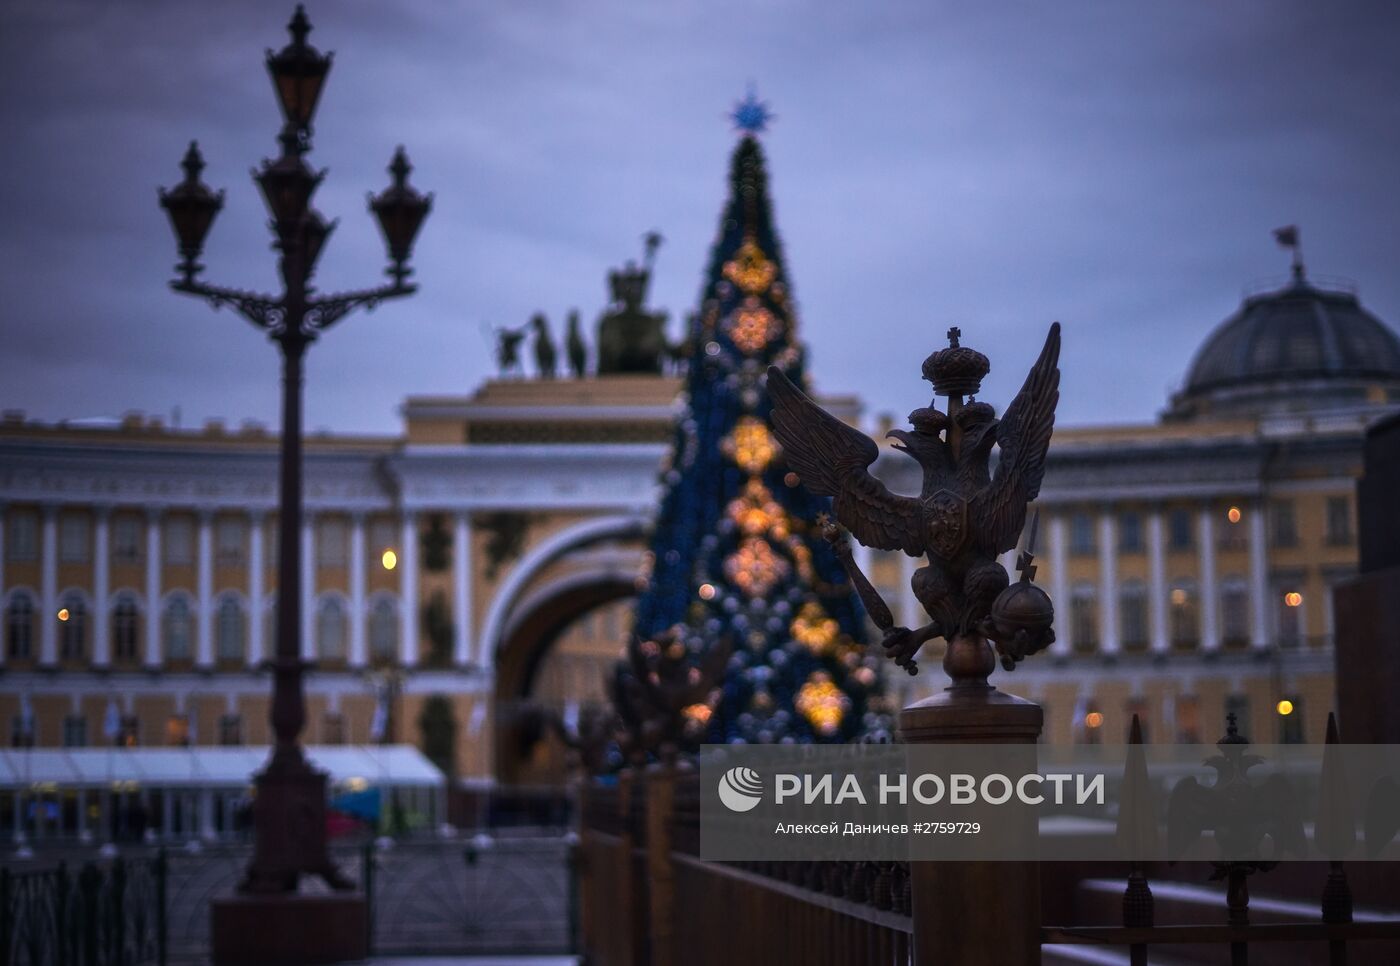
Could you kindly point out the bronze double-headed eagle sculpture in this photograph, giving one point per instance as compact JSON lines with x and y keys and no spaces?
{"x":965,"y":516}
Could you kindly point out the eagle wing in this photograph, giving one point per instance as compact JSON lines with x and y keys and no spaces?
{"x":1024,"y":437}
{"x":832,"y":459}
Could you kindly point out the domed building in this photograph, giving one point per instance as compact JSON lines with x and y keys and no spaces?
{"x":1302,"y":347}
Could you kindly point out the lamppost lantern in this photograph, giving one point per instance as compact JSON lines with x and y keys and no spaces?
{"x":400,"y":209}
{"x":287,"y":185}
{"x":298,"y":73}
{"x":191,"y":206}
{"x":289,"y":817}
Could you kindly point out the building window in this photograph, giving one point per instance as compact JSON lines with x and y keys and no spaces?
{"x":230,"y":537}
{"x":129,"y":733}
{"x":1187,"y":709}
{"x":1130,"y":532}
{"x":72,"y":627}
{"x":384,"y":631}
{"x":75,"y":731}
{"x":22,"y":732}
{"x":231,"y":730}
{"x":1234,"y":612}
{"x":177,"y":730}
{"x":1283,"y":523}
{"x":22,"y":536}
{"x":1339,"y":521}
{"x":382,"y":537}
{"x":333,"y":729}
{"x":124,"y":628}
{"x":230,"y":629}
{"x":177,"y":629}
{"x":330,"y":630}
{"x":1288,"y":605}
{"x":1132,"y":614}
{"x":330,"y":543}
{"x":73,"y":536}
{"x":1290,"y":724}
{"x":126,"y":539}
{"x":1238,"y":705}
{"x":179,"y":541}
{"x":1081,"y":534}
{"x":1084,"y":618}
{"x":1185,"y":617}
{"x":19,"y":626}
{"x":1233,"y":535}
{"x":1180,"y":532}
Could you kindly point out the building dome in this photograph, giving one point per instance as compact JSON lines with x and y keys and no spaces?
{"x":1300,"y":347}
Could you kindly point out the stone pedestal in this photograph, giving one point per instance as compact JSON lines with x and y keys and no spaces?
{"x":285,"y":930}
{"x":974,"y":913}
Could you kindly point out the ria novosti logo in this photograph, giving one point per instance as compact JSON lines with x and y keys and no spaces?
{"x":740,"y":789}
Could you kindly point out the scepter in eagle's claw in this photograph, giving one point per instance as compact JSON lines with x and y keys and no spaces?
{"x":875,"y":605}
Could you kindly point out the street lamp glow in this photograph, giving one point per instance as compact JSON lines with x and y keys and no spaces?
{"x":389,"y":559}
{"x":1233,"y":514}
{"x":1093,"y":719}
{"x":63,"y":613}
{"x":1293,"y":599}
{"x":1284,"y":707}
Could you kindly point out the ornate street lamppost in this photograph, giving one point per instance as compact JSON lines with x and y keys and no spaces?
{"x":290,"y":812}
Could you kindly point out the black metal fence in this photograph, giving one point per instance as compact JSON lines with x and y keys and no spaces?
{"x":483,"y":895}
{"x":110,"y":913}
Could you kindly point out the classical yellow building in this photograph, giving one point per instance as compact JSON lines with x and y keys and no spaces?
{"x":485,"y":556}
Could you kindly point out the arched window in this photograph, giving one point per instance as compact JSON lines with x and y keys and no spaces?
{"x":330,"y":630}
{"x":230,"y":633}
{"x":383,"y":631}
{"x":1084,"y":618}
{"x":178,"y":629}
{"x":1132,"y":615}
{"x":1185,"y":614}
{"x":124,"y":628}
{"x":72,"y":627}
{"x":19,"y":626}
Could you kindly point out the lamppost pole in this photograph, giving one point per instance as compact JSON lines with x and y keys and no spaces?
{"x":289,"y":815}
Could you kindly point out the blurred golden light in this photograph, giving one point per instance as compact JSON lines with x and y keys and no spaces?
{"x":1285,"y":707}
{"x":707,"y":591}
{"x":1093,"y":719}
{"x":822,"y":703}
{"x":1233,"y":514}
{"x":1293,"y":599}
{"x":1178,"y":596}
{"x":63,"y":613}
{"x":389,"y":559}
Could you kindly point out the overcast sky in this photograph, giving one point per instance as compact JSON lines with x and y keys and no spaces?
{"x":1116,"y":166}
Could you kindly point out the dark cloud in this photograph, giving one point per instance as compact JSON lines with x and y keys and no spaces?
{"x":1114,"y":166}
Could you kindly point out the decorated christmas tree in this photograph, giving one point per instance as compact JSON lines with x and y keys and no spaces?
{"x":737,"y":561}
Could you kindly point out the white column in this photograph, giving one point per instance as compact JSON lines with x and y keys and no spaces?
{"x":408,"y":591}
{"x":462,"y":604}
{"x":1059,"y":585}
{"x":1258,"y":576}
{"x":153,"y":609}
{"x":1210,"y":593}
{"x":910,"y":614}
{"x":358,"y":652}
{"x":101,"y":581}
{"x":206,"y":814}
{"x":308,"y":587}
{"x":1157,"y":582}
{"x":1108,"y":584}
{"x":48,"y":588}
{"x":255,"y":589}
{"x":204,"y":584}
{"x":82,"y":824}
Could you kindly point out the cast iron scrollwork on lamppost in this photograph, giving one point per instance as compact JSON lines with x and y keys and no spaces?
{"x":290,"y":811}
